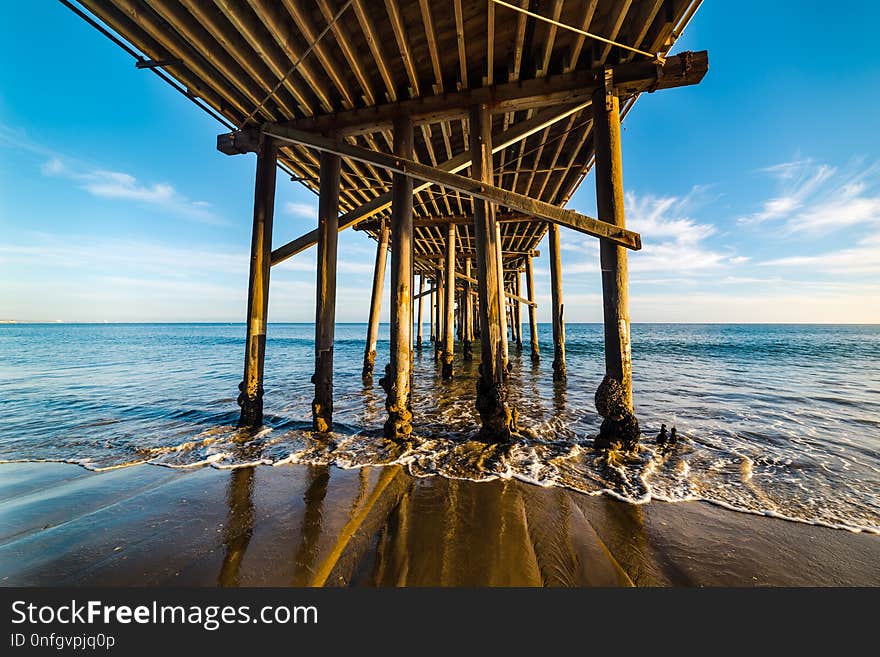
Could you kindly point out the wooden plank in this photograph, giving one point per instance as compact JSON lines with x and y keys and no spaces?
{"x":251,"y":387}
{"x":482,"y":190}
{"x":684,"y":69}
{"x":458,"y":163}
{"x":325,"y":297}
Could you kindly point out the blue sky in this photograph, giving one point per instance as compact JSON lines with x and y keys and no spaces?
{"x":757,"y":193}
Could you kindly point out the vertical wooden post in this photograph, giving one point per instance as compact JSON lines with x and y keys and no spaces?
{"x":613,"y":258}
{"x":433,"y":310}
{"x":251,"y":396}
{"x":419,"y":316}
{"x":467,"y":314}
{"x":449,"y":323}
{"x":376,"y":303}
{"x":397,"y":380}
{"x":517,"y":308}
{"x":533,"y":320}
{"x":559,"y":373}
{"x":497,"y":418}
{"x":500,"y":263}
{"x":440,"y":313}
{"x":325,"y":302}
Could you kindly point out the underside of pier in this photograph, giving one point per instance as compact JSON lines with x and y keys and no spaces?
{"x":453,"y":132}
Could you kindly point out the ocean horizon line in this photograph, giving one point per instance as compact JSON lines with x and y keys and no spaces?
{"x":16,"y":322}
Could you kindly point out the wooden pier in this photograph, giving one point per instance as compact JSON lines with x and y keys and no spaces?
{"x":453,"y":132}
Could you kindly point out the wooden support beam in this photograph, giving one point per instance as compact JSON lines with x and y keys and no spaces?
{"x":517,"y":310}
{"x":533,"y":320}
{"x":467,"y":313}
{"x":425,"y":293}
{"x":615,"y":277}
{"x":458,"y":220}
{"x":498,"y":421}
{"x":471,"y":254}
{"x":558,"y":307}
{"x":507,"y":295}
{"x":419,"y":315}
{"x":382,"y":202}
{"x":484,"y":190}
{"x":325,"y":301}
{"x":440,"y":313}
{"x":376,"y":303}
{"x":398,"y":374}
{"x":684,"y":69}
{"x":433,"y":307}
{"x":499,"y":260}
{"x":251,"y":397}
{"x":448,"y":370}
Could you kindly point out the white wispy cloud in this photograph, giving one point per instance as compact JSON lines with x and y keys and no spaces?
{"x":304,"y":210}
{"x":119,"y":185}
{"x":672,"y":240}
{"x":818,"y":198}
{"x":862,"y":258}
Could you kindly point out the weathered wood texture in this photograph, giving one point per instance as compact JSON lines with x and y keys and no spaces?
{"x":615,"y":277}
{"x":251,"y":388}
{"x":398,"y":374}
{"x":420,"y":297}
{"x":497,"y":418}
{"x":467,"y":314}
{"x":484,"y":190}
{"x":557,"y":306}
{"x":533,"y":319}
{"x":448,"y":356}
{"x":325,"y":296}
{"x":376,"y":304}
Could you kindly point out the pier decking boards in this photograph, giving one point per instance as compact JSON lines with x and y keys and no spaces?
{"x":457,"y":130}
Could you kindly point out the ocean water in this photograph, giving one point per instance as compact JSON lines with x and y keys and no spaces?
{"x":780,"y":420}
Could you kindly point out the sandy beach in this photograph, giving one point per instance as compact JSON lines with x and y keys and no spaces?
{"x":61,"y":524}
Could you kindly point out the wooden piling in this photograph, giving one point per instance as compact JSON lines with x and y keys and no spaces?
{"x":449,"y":323}
{"x":419,"y":315}
{"x":251,"y":396}
{"x":325,"y":301}
{"x":440,"y":313}
{"x":613,"y":259}
{"x":498,"y":420}
{"x":376,"y":303}
{"x":398,"y":374}
{"x":517,"y":309}
{"x":467,"y":314}
{"x":433,"y":310}
{"x":499,"y":261}
{"x":559,"y":373}
{"x":533,"y":320}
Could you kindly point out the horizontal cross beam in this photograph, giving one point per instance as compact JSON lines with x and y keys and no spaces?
{"x":684,"y":69}
{"x":469,"y":186}
{"x":520,"y":131}
{"x":458,"y":220}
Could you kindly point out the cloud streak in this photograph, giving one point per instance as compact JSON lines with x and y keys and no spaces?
{"x":818,"y":199}
{"x":118,"y":185}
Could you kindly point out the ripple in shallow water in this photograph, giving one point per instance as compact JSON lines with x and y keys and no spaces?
{"x":776,"y":420}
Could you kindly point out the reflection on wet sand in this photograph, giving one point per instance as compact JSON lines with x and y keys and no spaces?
{"x":320,"y":525}
{"x":239,"y":526}
{"x":501,"y":533}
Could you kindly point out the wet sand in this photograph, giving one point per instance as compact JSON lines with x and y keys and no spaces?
{"x":314,"y":525}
